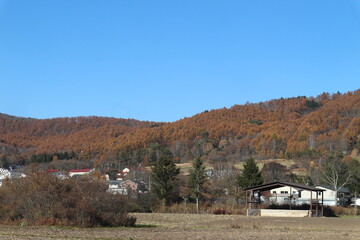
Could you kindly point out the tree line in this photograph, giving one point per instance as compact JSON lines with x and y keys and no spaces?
{"x":334,"y":172}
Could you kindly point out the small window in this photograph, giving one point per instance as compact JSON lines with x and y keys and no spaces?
{"x":282,"y":192}
{"x":274,"y":191}
{"x":286,"y":192}
{"x":294,"y":192}
{"x":319,"y":193}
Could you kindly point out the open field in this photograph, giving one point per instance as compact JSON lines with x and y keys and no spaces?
{"x":191,"y":226}
{"x":185,"y":167}
{"x":286,"y":162}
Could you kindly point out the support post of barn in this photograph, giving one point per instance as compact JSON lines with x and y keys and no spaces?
{"x":246,"y":202}
{"x":252,"y":199}
{"x":317,"y":204}
{"x":310,"y":214}
{"x":290,"y":197}
{"x":322,"y":204}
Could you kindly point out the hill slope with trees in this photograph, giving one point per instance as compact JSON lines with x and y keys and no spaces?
{"x":298,"y":128}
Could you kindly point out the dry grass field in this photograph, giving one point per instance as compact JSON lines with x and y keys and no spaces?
{"x":191,"y":226}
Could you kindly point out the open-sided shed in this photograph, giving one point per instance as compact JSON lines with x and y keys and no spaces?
{"x":251,"y":199}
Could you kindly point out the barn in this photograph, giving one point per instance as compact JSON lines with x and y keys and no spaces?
{"x":253,"y":200}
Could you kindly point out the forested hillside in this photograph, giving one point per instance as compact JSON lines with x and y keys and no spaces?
{"x":298,"y":128}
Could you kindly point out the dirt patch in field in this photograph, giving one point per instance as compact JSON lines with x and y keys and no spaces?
{"x":192,"y":226}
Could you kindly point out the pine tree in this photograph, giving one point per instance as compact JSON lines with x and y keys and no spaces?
{"x":164,"y":175}
{"x":4,"y":163}
{"x":197,"y":179}
{"x":251,"y":176}
{"x":354,"y":184}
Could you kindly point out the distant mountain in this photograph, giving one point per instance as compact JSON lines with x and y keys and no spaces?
{"x":299,"y":127}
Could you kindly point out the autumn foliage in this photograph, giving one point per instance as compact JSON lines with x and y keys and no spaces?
{"x":284,"y":128}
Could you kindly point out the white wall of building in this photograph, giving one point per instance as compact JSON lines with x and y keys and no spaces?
{"x":329,"y":196}
{"x":282,"y":195}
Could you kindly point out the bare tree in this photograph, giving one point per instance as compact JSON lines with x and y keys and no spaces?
{"x":336,"y":173}
{"x":312,"y":141}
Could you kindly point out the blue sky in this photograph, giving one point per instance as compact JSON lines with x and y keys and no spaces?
{"x":166,"y":60}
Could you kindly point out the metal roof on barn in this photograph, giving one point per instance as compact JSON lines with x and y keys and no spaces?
{"x":269,"y":186}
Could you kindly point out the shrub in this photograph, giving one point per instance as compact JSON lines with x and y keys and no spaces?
{"x":147,"y":202}
{"x":219,"y":211}
{"x":42,"y":199}
{"x":338,"y":210}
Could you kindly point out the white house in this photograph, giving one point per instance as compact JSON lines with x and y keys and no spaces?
{"x":115,"y":188}
{"x":80,"y":172}
{"x":127,"y":187}
{"x":57,"y":174}
{"x":4,"y":173}
{"x":285,"y":195}
{"x":121,"y":175}
{"x":329,"y":195}
{"x":356,"y":202}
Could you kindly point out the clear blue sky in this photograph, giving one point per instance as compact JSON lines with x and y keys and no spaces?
{"x":166,"y":60}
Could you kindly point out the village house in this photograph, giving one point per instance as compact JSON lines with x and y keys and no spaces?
{"x":136,"y":174}
{"x":9,"y":174}
{"x":115,"y":188}
{"x":127,"y":187}
{"x":6,"y":174}
{"x":287,"y":195}
{"x":57,"y":174}
{"x":329,"y":196}
{"x":120,"y":176}
{"x":80,"y":172}
{"x":355,"y":201}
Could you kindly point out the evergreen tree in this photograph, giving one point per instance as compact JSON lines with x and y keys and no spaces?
{"x":197,"y":179}
{"x":250,"y":176}
{"x":309,"y":181}
{"x":4,"y":163}
{"x":354,"y":184}
{"x":164,"y":175}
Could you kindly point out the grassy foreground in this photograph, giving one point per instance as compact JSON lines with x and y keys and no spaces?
{"x":204,"y":226}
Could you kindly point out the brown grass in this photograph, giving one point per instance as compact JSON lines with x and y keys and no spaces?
{"x":206,"y":208}
{"x":201,"y":226}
